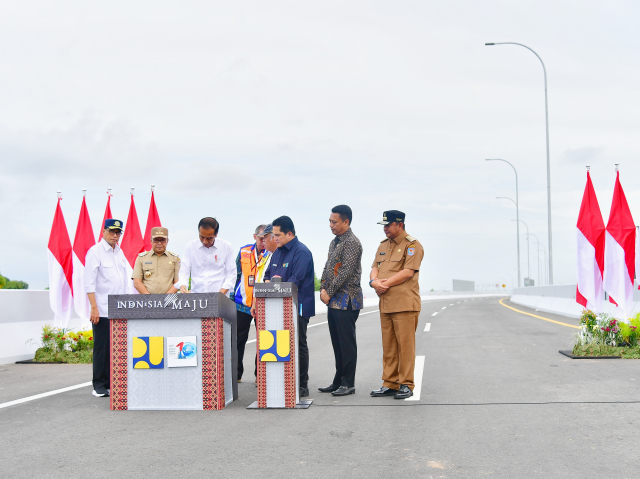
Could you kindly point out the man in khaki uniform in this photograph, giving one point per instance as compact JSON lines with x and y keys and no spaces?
{"x":156,"y":271}
{"x":394,"y":276}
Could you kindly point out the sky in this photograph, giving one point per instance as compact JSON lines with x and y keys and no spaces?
{"x":246,"y":111}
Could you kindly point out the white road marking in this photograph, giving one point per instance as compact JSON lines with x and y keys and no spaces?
{"x":444,"y":307}
{"x":44,"y":395}
{"x":434,"y":313}
{"x":451,"y":304}
{"x":418,"y":372}
{"x":427,"y":327}
{"x":369,"y":312}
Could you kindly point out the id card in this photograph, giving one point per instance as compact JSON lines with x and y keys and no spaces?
{"x":252,"y":280}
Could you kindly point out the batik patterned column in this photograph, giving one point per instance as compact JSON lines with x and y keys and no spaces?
{"x":290,"y":379}
{"x":262,"y":366}
{"x":119,"y":375}
{"x":212,"y":363}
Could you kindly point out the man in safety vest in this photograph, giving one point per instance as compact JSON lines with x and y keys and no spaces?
{"x":251,"y":263}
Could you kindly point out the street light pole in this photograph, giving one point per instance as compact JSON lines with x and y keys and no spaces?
{"x":528,"y":264}
{"x":546,"y":117}
{"x":517,"y":210}
{"x":538,"y":245}
{"x":517,"y":233}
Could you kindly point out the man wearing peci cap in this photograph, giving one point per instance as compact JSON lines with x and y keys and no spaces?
{"x":394,"y":276}
{"x":156,"y":271}
{"x":105,"y":273}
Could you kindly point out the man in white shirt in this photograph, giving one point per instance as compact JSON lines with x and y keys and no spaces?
{"x":105,"y":273}
{"x":209,"y":262}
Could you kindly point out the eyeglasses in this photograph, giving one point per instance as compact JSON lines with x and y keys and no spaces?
{"x":159,"y":240}
{"x":115,"y":232}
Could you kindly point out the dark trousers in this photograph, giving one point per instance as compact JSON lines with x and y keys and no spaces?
{"x":303,"y":351}
{"x":342,"y":328}
{"x":244,"y":327}
{"x":101,"y":356}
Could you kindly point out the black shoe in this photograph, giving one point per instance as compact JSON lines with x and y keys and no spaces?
{"x":383,"y":391}
{"x":304,"y":392}
{"x":404,"y":392}
{"x":343,"y":391}
{"x":328,"y":389}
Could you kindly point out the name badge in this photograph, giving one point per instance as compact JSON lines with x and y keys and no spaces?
{"x":252,"y":280}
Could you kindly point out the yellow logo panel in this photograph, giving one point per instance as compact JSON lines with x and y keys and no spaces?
{"x":148,"y":352}
{"x":274,"y":345}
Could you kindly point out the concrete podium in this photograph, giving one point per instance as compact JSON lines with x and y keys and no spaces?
{"x":155,"y":363}
{"x":277,"y":346}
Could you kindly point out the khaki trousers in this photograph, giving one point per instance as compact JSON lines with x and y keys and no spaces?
{"x":398,"y":348}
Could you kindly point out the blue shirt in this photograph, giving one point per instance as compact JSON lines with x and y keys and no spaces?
{"x":294,"y":263}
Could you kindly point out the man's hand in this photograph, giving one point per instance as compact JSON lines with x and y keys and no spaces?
{"x":253,"y":311}
{"x":183,"y":289}
{"x":324,"y":296}
{"x":379,"y":286}
{"x":224,"y":291}
{"x":95,"y":315}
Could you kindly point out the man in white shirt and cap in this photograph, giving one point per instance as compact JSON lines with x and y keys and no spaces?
{"x":208,"y":261}
{"x":105,"y":273}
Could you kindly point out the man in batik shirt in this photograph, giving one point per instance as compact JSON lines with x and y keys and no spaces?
{"x":341,"y":291}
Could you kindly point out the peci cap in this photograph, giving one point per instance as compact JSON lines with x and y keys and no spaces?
{"x":392,"y":216}
{"x":267,"y":230}
{"x":111,"y":224}
{"x":159,"y":232}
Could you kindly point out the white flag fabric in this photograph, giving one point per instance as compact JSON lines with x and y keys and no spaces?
{"x":82,"y":241}
{"x":60,"y":270}
{"x":620,"y":253}
{"x":591,"y":241}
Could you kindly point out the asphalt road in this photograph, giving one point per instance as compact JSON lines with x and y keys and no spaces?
{"x":497,"y":400}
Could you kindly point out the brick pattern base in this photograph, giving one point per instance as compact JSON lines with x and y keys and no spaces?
{"x":119,"y":375}
{"x":213,"y":364}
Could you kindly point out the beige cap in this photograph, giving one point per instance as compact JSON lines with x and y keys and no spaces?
{"x":159,"y":232}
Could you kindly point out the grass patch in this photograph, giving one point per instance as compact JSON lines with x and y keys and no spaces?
{"x":78,"y":357}
{"x":593,"y":350}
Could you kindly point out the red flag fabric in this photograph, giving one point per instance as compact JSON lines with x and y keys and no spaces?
{"x":107,"y":215}
{"x":82,"y":241}
{"x":591,"y":239}
{"x":620,"y":253}
{"x":60,"y":261}
{"x":132,"y":243}
{"x":153,"y":220}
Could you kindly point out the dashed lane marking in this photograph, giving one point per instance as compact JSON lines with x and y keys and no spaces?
{"x":418,"y":372}
{"x":434,"y":313}
{"x":539,"y":317}
{"x":444,"y":307}
{"x":427,"y":327}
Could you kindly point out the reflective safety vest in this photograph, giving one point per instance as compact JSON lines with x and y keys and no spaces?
{"x":244,"y":290}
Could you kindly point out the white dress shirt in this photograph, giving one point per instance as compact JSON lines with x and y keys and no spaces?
{"x":211,"y":269}
{"x":105,"y":273}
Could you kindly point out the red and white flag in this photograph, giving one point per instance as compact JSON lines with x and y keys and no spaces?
{"x":589,"y":292}
{"x":620,"y":252}
{"x":81,"y":244}
{"x":153,"y":221}
{"x":107,"y":215}
{"x":132,"y":243}
{"x":60,"y":270}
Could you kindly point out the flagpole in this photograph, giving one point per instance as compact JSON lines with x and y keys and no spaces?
{"x":517,"y":211}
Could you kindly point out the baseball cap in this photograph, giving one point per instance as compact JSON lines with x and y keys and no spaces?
{"x":268,"y":229}
{"x":111,"y":224}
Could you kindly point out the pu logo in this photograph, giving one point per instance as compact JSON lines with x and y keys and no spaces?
{"x":148,"y":352}
{"x":274,"y":345}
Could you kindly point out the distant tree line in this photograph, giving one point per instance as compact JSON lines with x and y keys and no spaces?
{"x":6,"y":283}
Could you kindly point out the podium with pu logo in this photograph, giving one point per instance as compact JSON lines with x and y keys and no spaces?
{"x":277,"y":347}
{"x":173,"y":351}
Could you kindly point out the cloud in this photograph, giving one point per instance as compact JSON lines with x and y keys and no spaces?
{"x":587,"y":155}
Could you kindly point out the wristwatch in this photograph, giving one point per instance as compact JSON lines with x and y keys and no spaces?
{"x":371,"y":281}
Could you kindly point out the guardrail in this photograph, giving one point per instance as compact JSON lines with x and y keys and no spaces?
{"x":561,"y":299}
